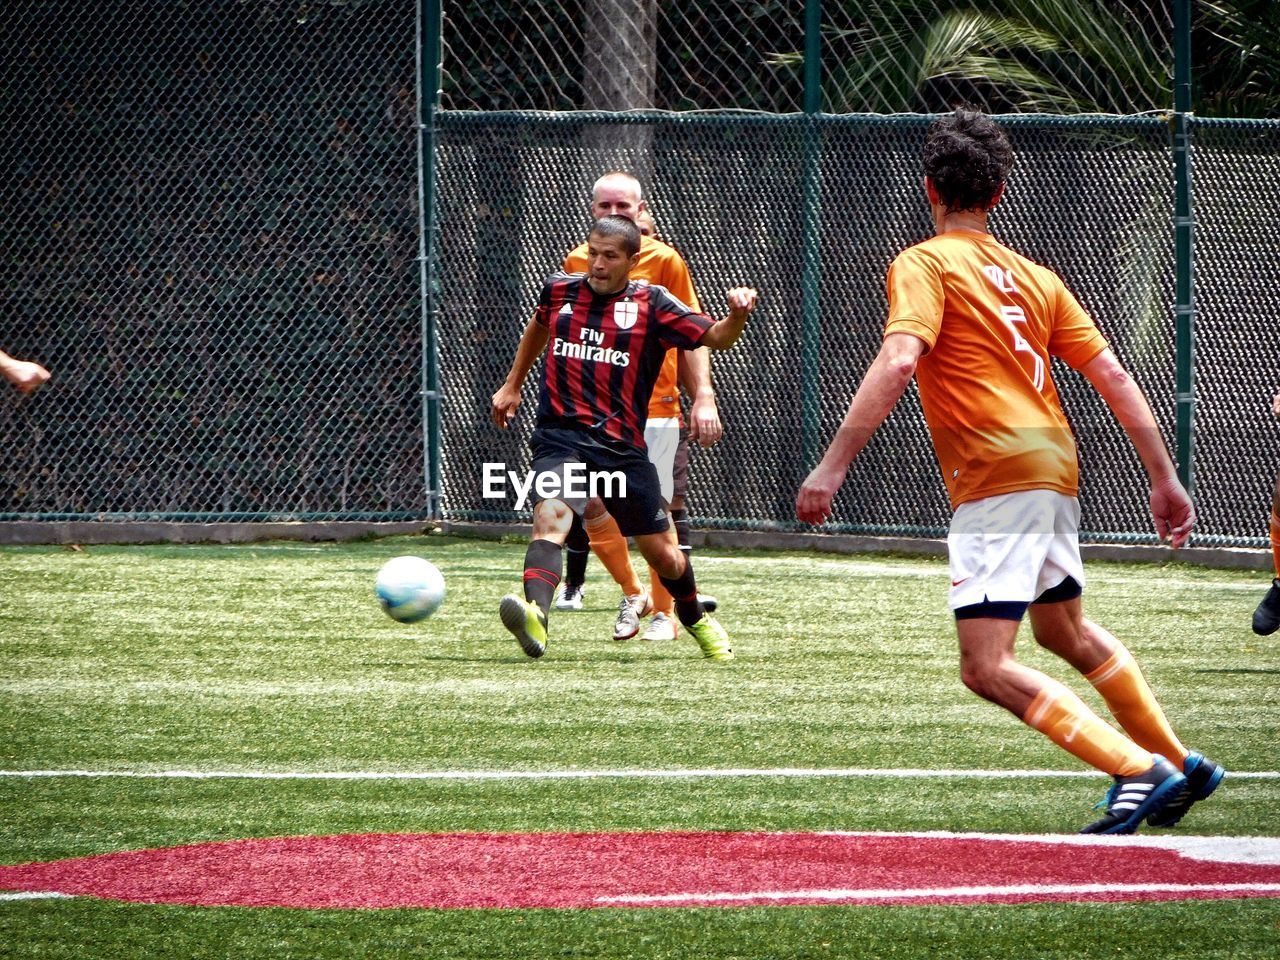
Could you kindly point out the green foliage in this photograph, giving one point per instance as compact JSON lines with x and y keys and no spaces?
{"x":1237,"y":59}
{"x":1048,"y":56}
{"x":706,"y":56}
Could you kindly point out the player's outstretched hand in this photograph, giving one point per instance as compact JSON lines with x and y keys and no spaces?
{"x":503,"y":405}
{"x":813,"y":502}
{"x":742,"y":299}
{"x":705,"y":427}
{"x":1172,"y":510}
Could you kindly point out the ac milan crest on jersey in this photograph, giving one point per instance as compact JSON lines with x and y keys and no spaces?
{"x":625,"y":314}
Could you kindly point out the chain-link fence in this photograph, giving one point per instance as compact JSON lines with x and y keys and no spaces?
{"x":211,"y":240}
{"x":1237,"y":203}
{"x":214,"y":227}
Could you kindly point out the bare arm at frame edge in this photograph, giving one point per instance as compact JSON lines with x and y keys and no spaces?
{"x":26,"y":375}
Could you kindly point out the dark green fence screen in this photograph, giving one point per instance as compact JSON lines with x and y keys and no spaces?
{"x":213,"y":238}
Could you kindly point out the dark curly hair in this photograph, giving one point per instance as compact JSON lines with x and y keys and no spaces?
{"x":967,"y":156}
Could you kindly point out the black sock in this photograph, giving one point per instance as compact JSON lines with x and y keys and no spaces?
{"x":541,"y":572}
{"x":577,"y":550}
{"x":684,"y":590}
{"x":681,"y":519}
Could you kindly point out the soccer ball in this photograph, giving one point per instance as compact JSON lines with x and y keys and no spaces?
{"x":409,"y":588}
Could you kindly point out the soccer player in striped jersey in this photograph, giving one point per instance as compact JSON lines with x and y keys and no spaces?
{"x":976,"y":324}
{"x":1266,"y":619}
{"x":608,"y":335}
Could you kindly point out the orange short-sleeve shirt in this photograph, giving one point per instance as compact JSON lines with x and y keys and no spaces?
{"x":991,"y":320}
{"x":659,"y":264}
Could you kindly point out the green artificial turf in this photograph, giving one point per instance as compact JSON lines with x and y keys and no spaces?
{"x":275,"y":657}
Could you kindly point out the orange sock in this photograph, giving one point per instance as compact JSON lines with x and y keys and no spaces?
{"x":1134,"y":706}
{"x":1063,"y":717}
{"x":611,"y":547}
{"x":663,"y":602}
{"x":1275,"y":542}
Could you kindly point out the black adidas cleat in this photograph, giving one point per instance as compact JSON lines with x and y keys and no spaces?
{"x":1132,"y":799}
{"x":1203,"y":777}
{"x":1266,"y":619}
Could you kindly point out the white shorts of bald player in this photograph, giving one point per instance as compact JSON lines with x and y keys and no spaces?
{"x":662,"y":437}
{"x":1013,"y":547}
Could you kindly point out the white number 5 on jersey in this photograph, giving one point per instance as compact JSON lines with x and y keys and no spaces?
{"x":1002,"y":280}
{"x":1013,"y":315}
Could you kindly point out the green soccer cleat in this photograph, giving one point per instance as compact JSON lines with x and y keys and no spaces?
{"x":711,"y":638}
{"x":527,"y":623}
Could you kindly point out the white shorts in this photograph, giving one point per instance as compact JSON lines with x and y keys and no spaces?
{"x":1013,"y":547}
{"x":662,"y":437}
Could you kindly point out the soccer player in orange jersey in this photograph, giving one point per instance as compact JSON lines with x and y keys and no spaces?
{"x":619,"y":194}
{"x":708,"y":431}
{"x":1266,"y":619}
{"x":976,"y":323}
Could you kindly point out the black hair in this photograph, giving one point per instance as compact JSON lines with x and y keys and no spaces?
{"x":967,"y":156}
{"x":616,"y":226}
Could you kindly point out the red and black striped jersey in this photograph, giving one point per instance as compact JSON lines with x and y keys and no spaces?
{"x":605,"y":352}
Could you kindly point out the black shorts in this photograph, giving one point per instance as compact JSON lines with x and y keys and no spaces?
{"x":640,"y":511}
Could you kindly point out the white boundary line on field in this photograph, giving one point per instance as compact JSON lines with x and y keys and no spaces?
{"x":35,"y":895}
{"x":606,"y":774}
{"x":1029,"y":889}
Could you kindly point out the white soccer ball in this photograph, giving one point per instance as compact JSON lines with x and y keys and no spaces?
{"x":409,"y":588}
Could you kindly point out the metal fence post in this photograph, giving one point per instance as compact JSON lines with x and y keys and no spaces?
{"x":428,"y":69}
{"x":811,"y":221}
{"x":1184,"y":244}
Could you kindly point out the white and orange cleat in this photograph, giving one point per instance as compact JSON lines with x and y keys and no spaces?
{"x":630,"y":610}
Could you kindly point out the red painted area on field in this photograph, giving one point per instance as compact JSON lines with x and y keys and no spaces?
{"x":480,"y":870}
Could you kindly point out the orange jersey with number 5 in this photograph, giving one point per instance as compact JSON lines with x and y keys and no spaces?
{"x":661,"y":265}
{"x":991,"y":320}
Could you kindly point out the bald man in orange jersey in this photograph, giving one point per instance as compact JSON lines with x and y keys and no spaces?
{"x":707,"y":430}
{"x":619,"y":194}
{"x":976,"y":324}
